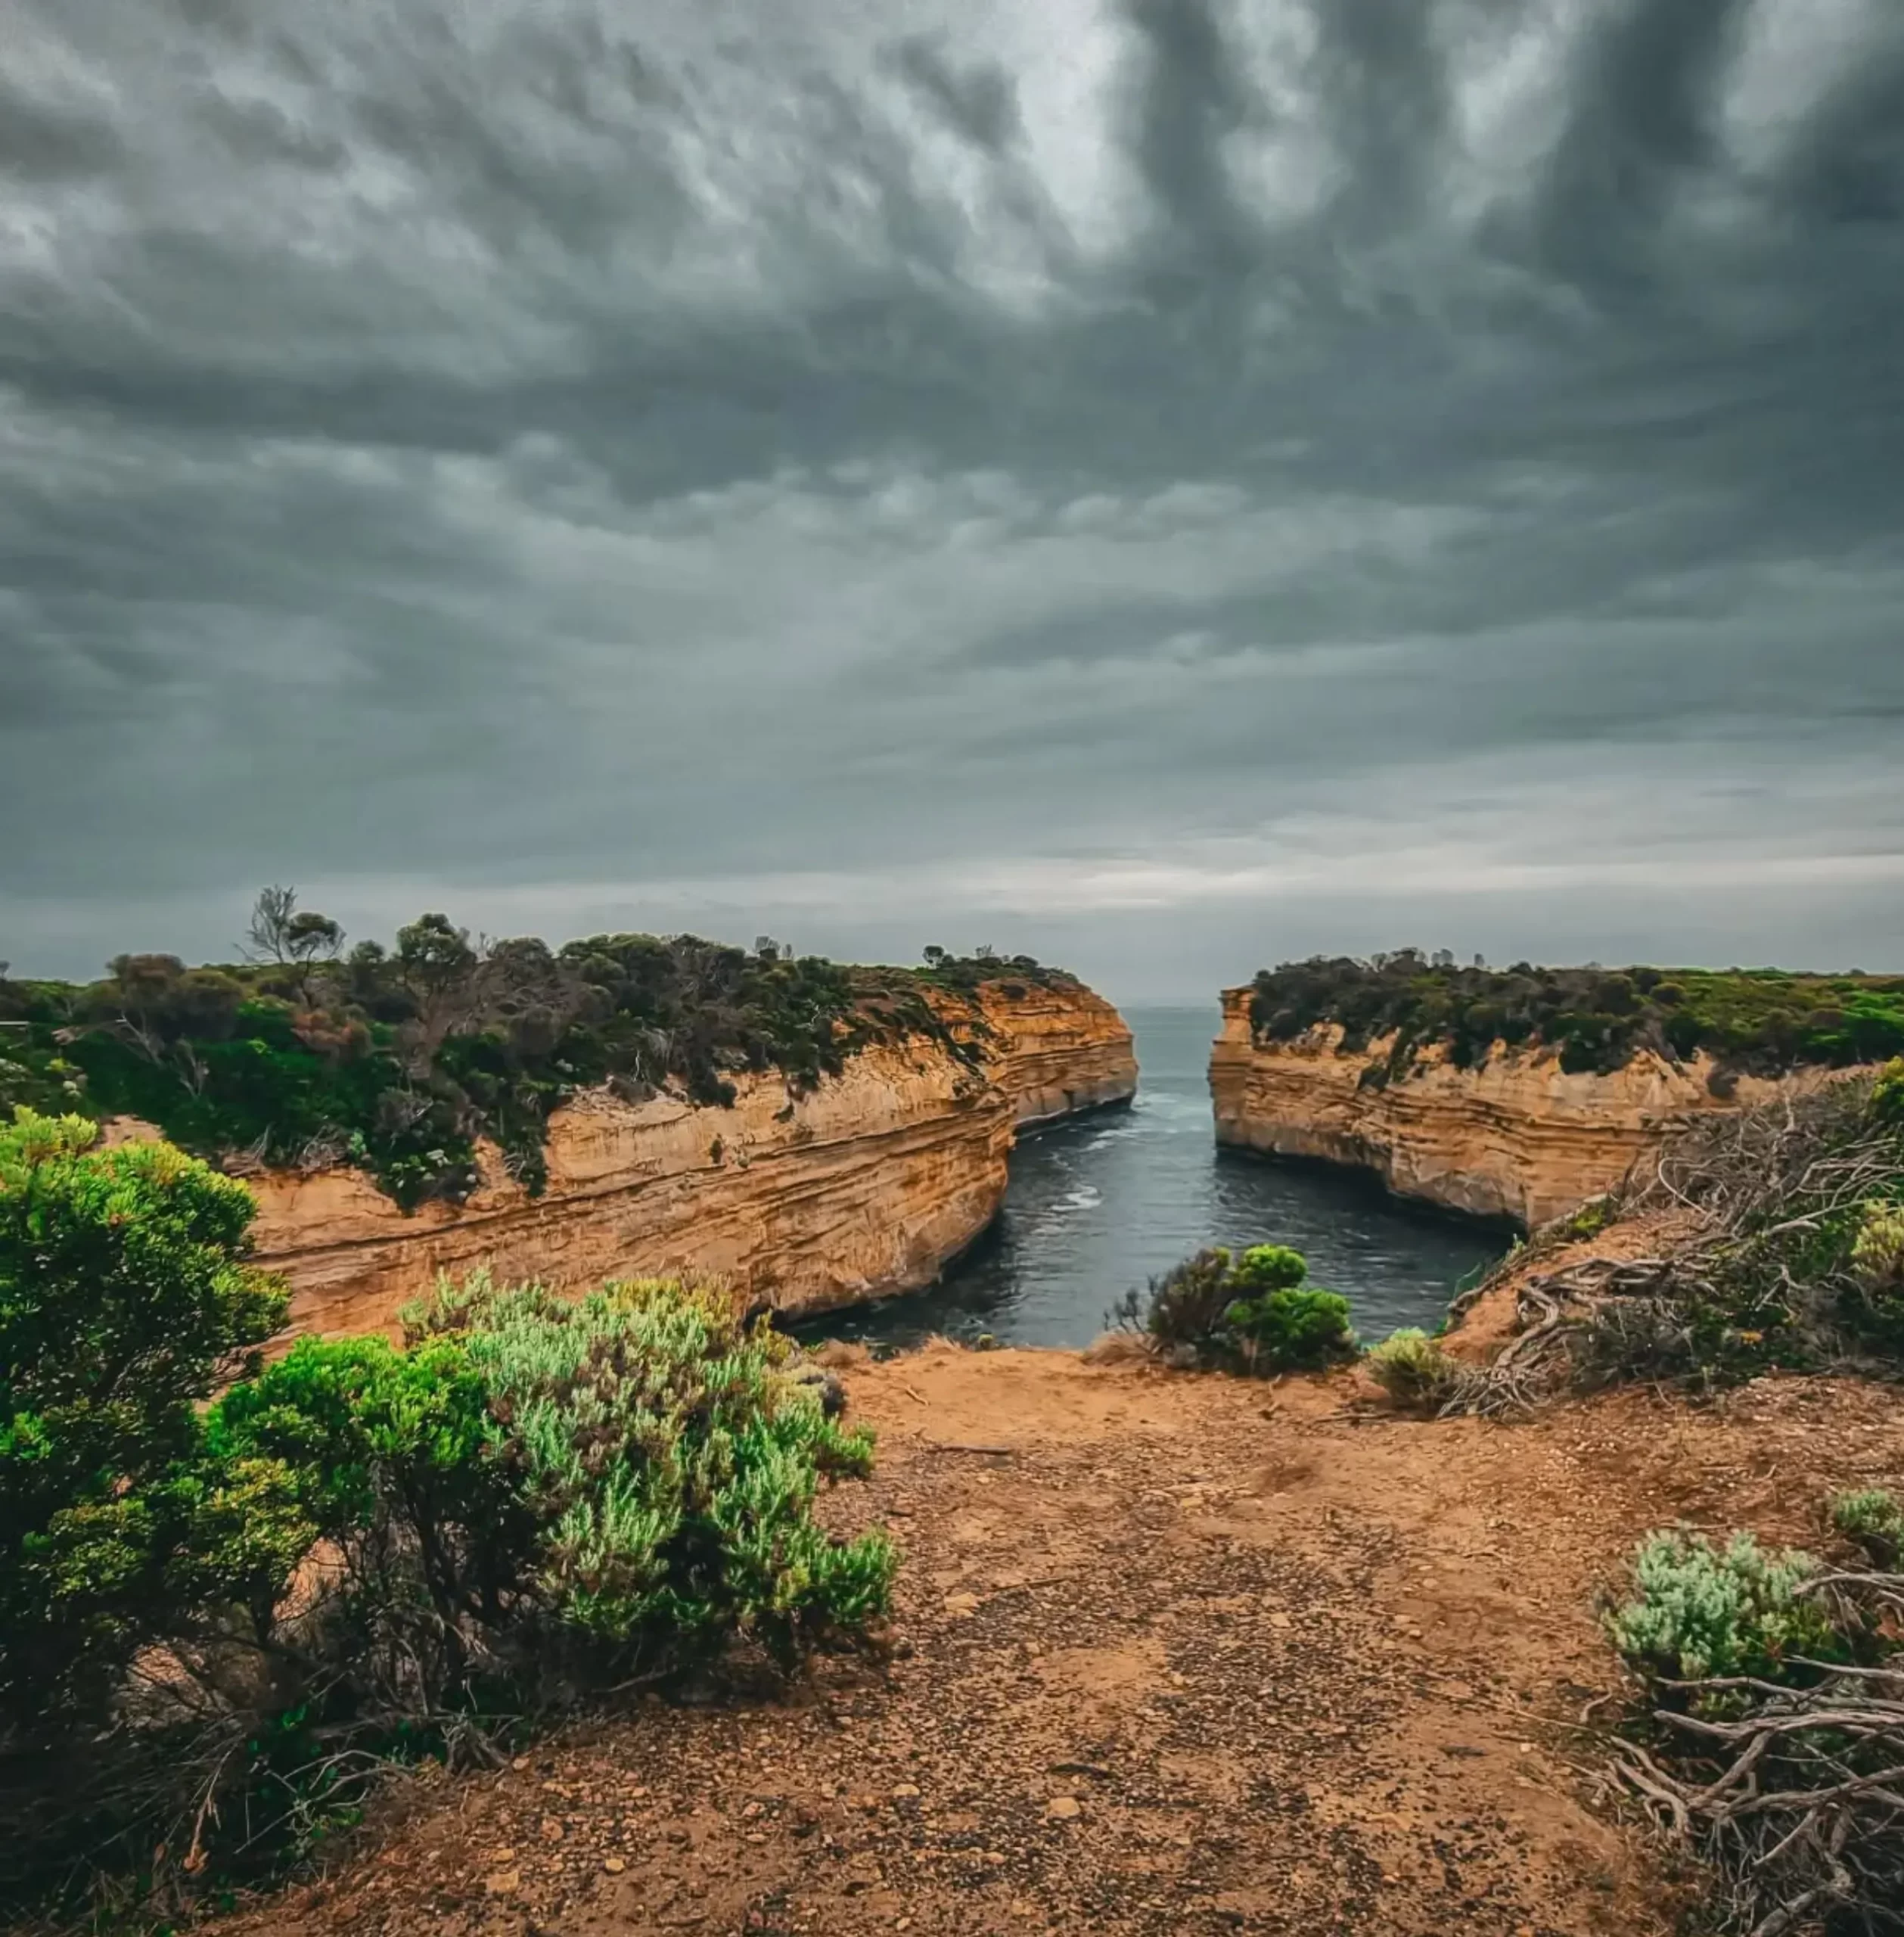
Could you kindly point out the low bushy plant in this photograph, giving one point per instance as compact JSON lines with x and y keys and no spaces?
{"x":1769,"y":1727}
{"x":559,"y":1488}
{"x":1873,"y":1519}
{"x":1877,"y":1251}
{"x":1414,"y":1370}
{"x":1248,"y":1311}
{"x":1699,"y":1610}
{"x":1592,"y":1218}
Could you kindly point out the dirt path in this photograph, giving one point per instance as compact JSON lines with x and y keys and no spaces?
{"x":1192,"y":1655}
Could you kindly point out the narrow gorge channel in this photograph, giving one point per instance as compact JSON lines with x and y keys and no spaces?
{"x":1099,"y":1202}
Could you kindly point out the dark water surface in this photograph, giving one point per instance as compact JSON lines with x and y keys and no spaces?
{"x":1098,"y":1204}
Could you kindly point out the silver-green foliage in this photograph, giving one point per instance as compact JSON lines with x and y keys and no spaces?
{"x":670,"y":1464}
{"x":1699,"y":1610}
{"x":1874,"y":1519}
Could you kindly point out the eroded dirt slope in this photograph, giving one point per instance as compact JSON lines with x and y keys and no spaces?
{"x":1192,"y":1655}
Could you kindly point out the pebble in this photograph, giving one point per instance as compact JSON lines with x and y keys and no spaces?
{"x":614,"y":1865}
{"x":1062,"y":1808}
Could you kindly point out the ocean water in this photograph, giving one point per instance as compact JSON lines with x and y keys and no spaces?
{"x":1098,"y":1204}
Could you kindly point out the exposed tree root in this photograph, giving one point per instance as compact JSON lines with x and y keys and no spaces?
{"x":1795,"y":1797}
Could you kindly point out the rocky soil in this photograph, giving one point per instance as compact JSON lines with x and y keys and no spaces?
{"x":1172,"y":1655}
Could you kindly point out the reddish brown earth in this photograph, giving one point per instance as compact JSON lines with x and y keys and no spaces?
{"x":1189,"y":1654}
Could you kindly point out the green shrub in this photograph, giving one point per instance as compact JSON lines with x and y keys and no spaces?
{"x":1699,"y":1610}
{"x":1877,"y":1251}
{"x":124,"y":1299}
{"x":1415,"y":1371}
{"x":1592,"y":1217}
{"x":672,"y":1464}
{"x":1768,"y":1729}
{"x":559,"y":1485}
{"x":1286,"y":1331}
{"x":521,"y":1505}
{"x":1250,"y":1312}
{"x":1269,"y":1267}
{"x":1874,"y":1519}
{"x":1873,"y":1300}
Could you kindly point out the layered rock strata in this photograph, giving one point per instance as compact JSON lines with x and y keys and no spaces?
{"x":1517,"y":1137}
{"x":868,"y":1185}
{"x":1059,"y":1048}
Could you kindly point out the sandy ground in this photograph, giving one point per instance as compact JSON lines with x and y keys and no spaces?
{"x":1185,"y":1655}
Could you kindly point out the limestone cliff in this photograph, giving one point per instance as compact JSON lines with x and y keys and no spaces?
{"x":1058,"y":1047}
{"x":1517,"y":1137}
{"x":868,"y":1185}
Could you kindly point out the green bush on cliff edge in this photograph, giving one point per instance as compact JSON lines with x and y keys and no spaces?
{"x":1250,"y":1311}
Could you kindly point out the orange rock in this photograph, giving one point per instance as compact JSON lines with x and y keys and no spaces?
{"x":867,"y":1186}
{"x":1517,"y":1137}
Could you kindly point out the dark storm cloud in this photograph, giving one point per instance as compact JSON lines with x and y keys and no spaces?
{"x":1644,"y":102}
{"x":582,"y":456}
{"x":978,"y":101}
{"x":42,"y":142}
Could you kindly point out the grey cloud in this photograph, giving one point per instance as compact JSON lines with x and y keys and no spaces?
{"x":497,"y":447}
{"x":978,"y":101}
{"x":1644,"y":104}
{"x":1846,"y":169}
{"x":41,"y":141}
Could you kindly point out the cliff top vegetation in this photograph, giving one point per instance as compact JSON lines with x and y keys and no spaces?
{"x":306,"y":1052}
{"x":1763,"y":1021}
{"x":1013,"y":975}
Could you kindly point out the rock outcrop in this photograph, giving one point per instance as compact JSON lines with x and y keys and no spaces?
{"x":868,"y":1185}
{"x":1517,"y":1137}
{"x":1059,"y":1048}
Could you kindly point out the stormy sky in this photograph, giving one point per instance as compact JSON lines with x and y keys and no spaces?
{"x":1164,"y":484}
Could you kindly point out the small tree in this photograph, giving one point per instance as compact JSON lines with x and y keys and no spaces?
{"x":282,"y":932}
{"x":295,"y":938}
{"x":437,"y":965}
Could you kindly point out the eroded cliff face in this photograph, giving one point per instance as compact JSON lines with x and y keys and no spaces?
{"x":1057,"y":1048}
{"x":1519,"y":1137}
{"x":867,"y":1186}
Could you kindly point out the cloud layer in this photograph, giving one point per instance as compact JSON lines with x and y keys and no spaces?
{"x":1170,"y":482}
